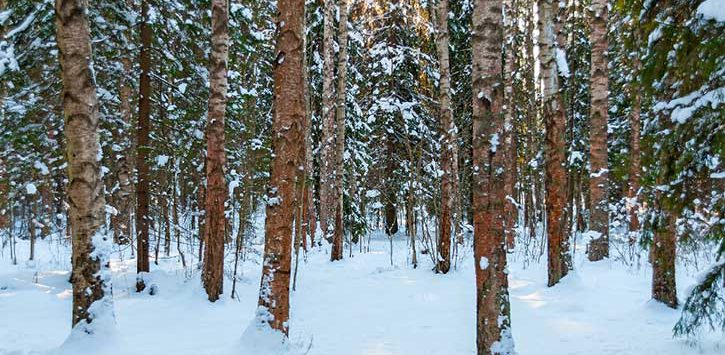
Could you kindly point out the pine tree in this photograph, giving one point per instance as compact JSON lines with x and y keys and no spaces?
{"x":288,"y":145}
{"x":142,"y":142}
{"x":216,"y":190}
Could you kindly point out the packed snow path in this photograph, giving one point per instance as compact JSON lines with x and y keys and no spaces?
{"x":360,"y":306}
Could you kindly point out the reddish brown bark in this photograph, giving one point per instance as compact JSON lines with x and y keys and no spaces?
{"x":448,"y":144}
{"x":493,"y":308}
{"x":142,"y":142}
{"x":216,"y":188}
{"x":288,"y":147}
{"x":85,"y":185}
{"x":554,"y":148}
{"x":598,"y":178}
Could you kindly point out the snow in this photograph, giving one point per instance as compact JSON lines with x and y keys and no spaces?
{"x":561,"y":63}
{"x":494,"y":141}
{"x":358,"y":306}
{"x":4,"y":15}
{"x":712,"y":9}
{"x":483,"y":263}
{"x":161,"y":160}
{"x":30,"y":188}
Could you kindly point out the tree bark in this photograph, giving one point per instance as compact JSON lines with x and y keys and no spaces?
{"x":339,"y":231}
{"x":663,"y":259}
{"x":288,"y":147}
{"x":510,"y":209}
{"x":216,"y":190}
{"x":124,"y":195}
{"x":554,"y":145}
{"x":327,"y":155}
{"x":391,"y":196}
{"x":85,"y":185}
{"x":4,"y":186}
{"x":448,"y":145}
{"x":598,"y":178}
{"x":493,"y":308}
{"x":634,"y":161}
{"x":142,"y":142}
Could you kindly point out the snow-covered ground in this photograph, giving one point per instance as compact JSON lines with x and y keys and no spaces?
{"x":360,"y":306}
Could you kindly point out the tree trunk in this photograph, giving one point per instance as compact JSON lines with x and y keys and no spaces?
{"x":124,"y":194}
{"x":555,"y":122}
{"x":309,"y":216}
{"x":327,"y":155}
{"x":391,"y":198}
{"x":493,"y":308}
{"x":288,"y":146}
{"x":142,"y":141}
{"x":339,"y":231}
{"x":216,"y":191}
{"x":85,"y":185}
{"x":634,"y":161}
{"x":510,"y":209}
{"x":449,"y":147}
{"x":4,"y":186}
{"x":598,"y":178}
{"x":663,"y":259}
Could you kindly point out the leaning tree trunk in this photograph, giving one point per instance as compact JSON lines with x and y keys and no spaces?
{"x":554,"y":146}
{"x":216,"y":189}
{"x":339,"y":231}
{"x":598,"y":178}
{"x":493,"y":308}
{"x":142,"y":142}
{"x":85,"y":185}
{"x":288,"y":142}
{"x":327,"y":155}
{"x":449,"y":147}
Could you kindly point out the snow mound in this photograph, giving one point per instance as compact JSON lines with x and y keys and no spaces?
{"x":100,"y":337}
{"x":260,"y":339}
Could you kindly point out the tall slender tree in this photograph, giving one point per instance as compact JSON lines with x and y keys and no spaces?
{"x":85,"y":184}
{"x":339,"y":231}
{"x":493,"y":308}
{"x":216,"y":188}
{"x":327,"y":143}
{"x":635,"y":151}
{"x":142,"y":146}
{"x":448,"y":145}
{"x":288,"y":142}
{"x":510,"y":207}
{"x":555,"y":122}
{"x":598,"y":156}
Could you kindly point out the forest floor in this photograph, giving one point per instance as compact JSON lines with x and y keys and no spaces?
{"x":359,"y":306}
